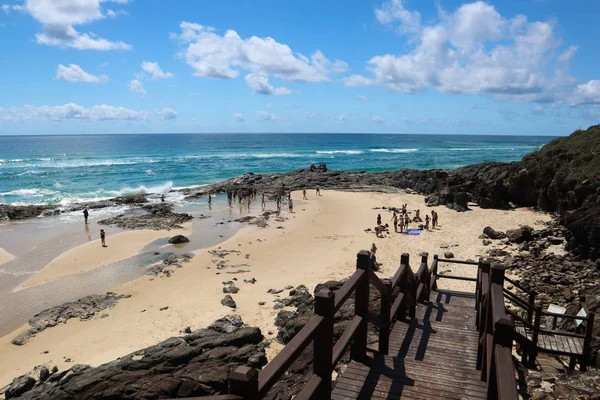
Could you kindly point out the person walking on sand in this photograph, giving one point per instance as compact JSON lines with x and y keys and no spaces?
{"x":434,"y":219}
{"x":248,"y":204}
{"x":304,"y":195}
{"x":291,"y":204}
{"x":318,"y":191}
{"x":378,"y":219}
{"x":263,"y":203}
{"x":278,"y":203}
{"x":395,"y":219}
{"x":401,"y":223}
{"x":209,"y":199}
{"x":427,"y":219}
{"x":103,"y":238}
{"x":86,"y":214}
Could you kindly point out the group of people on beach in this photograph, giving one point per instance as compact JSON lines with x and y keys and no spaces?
{"x":401,"y":221}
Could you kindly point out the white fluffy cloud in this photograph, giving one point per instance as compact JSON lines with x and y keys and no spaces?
{"x":309,"y":115}
{"x":471,"y":50}
{"x":260,"y":85}
{"x":393,"y":14}
{"x":74,"y":73}
{"x":155,"y":71}
{"x":239,"y":117}
{"x":167,"y":113}
{"x":377,"y":118}
{"x":587,"y":93}
{"x":8,"y":8}
{"x":265,"y":116}
{"x":137,"y":87}
{"x":59,"y":18}
{"x":212,"y":55}
{"x":72,"y":111}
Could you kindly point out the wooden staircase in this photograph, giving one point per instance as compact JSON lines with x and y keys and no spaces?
{"x":433,"y":356}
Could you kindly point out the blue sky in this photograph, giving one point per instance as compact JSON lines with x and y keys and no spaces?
{"x":134,"y":66}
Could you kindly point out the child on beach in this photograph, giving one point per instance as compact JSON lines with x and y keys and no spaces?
{"x":427,"y":222}
{"x":318,"y":191}
{"x":373,"y":259}
{"x":85,"y":215}
{"x":406,"y":221}
{"x":103,"y":238}
{"x":417,"y":217}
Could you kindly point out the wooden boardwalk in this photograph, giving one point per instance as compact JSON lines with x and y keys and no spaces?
{"x":432,"y":356}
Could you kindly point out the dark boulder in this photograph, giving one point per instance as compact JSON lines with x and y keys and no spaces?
{"x":228,"y":302}
{"x":131,"y":199}
{"x":178,"y":239}
{"x":493,"y":234}
{"x":520,"y":235}
{"x":19,"y":386}
{"x":461,"y":201}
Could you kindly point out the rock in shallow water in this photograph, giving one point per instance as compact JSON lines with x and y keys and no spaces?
{"x":179,"y":239}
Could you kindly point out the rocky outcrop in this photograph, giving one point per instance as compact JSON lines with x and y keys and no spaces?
{"x":18,"y":213}
{"x":84,"y":309}
{"x":132,"y":199}
{"x":197,"y":364}
{"x":158,"y":217}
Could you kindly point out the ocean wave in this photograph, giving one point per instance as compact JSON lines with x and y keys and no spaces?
{"x":394,"y":150}
{"x":349,"y":152}
{"x":33,"y":192}
{"x":274,"y":155}
{"x":511,"y":148}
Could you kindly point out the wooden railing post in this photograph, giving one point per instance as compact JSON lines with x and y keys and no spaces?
{"x":535,"y":334}
{"x":498,"y":274}
{"x":532,"y":306}
{"x":323,"y":343}
{"x":407,"y":287}
{"x":386,"y":308}
{"x":504,"y":329}
{"x":244,"y":382}
{"x":358,"y":348}
{"x":434,"y":272}
{"x":484,"y":285}
{"x":587,"y":353}
{"x":478,"y":286}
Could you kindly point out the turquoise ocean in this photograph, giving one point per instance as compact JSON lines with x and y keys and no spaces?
{"x":67,"y":169}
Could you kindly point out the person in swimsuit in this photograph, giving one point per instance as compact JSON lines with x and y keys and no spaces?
{"x":304,"y":195}
{"x":162,"y":198}
{"x":427,"y":219}
{"x":378,"y":219}
{"x":86,"y":215}
{"x":434,"y":219}
{"x":263,"y":202}
{"x":103,"y":238}
{"x":395,"y":219}
{"x":318,"y":192}
{"x":406,"y":221}
{"x":291,"y":204}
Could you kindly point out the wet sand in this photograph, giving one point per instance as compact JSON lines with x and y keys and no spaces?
{"x":318,"y":242}
{"x":5,"y":256}
{"x":92,"y":255}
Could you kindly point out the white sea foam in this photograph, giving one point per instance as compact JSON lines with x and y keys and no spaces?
{"x":394,"y":150}
{"x":274,"y":155}
{"x":349,"y":152}
{"x":33,"y":192}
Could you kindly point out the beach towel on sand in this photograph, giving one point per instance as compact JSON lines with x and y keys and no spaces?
{"x":413,"y":232}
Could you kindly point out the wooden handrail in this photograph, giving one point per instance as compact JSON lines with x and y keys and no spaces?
{"x":342,"y":344}
{"x":310,"y":388}
{"x":517,"y":285}
{"x":277,"y":367}
{"x":551,"y":314}
{"x":562,"y":333}
{"x":452,"y":261}
{"x":347,"y":289}
{"x":460,"y":278}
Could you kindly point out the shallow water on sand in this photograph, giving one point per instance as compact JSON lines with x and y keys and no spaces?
{"x":37,"y":242}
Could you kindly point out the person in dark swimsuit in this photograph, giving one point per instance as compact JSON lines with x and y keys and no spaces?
{"x":86,"y":215}
{"x":395,"y":219}
{"x":378,"y":219}
{"x":103,"y":238}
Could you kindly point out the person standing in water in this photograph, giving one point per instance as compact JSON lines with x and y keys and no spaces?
{"x":103,"y":238}
{"x":162,"y":198}
{"x":209,"y":199}
{"x":86,"y":214}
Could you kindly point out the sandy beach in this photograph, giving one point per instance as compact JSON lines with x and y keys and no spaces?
{"x":318,"y":242}
{"x":5,"y":256}
{"x":92,"y":255}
